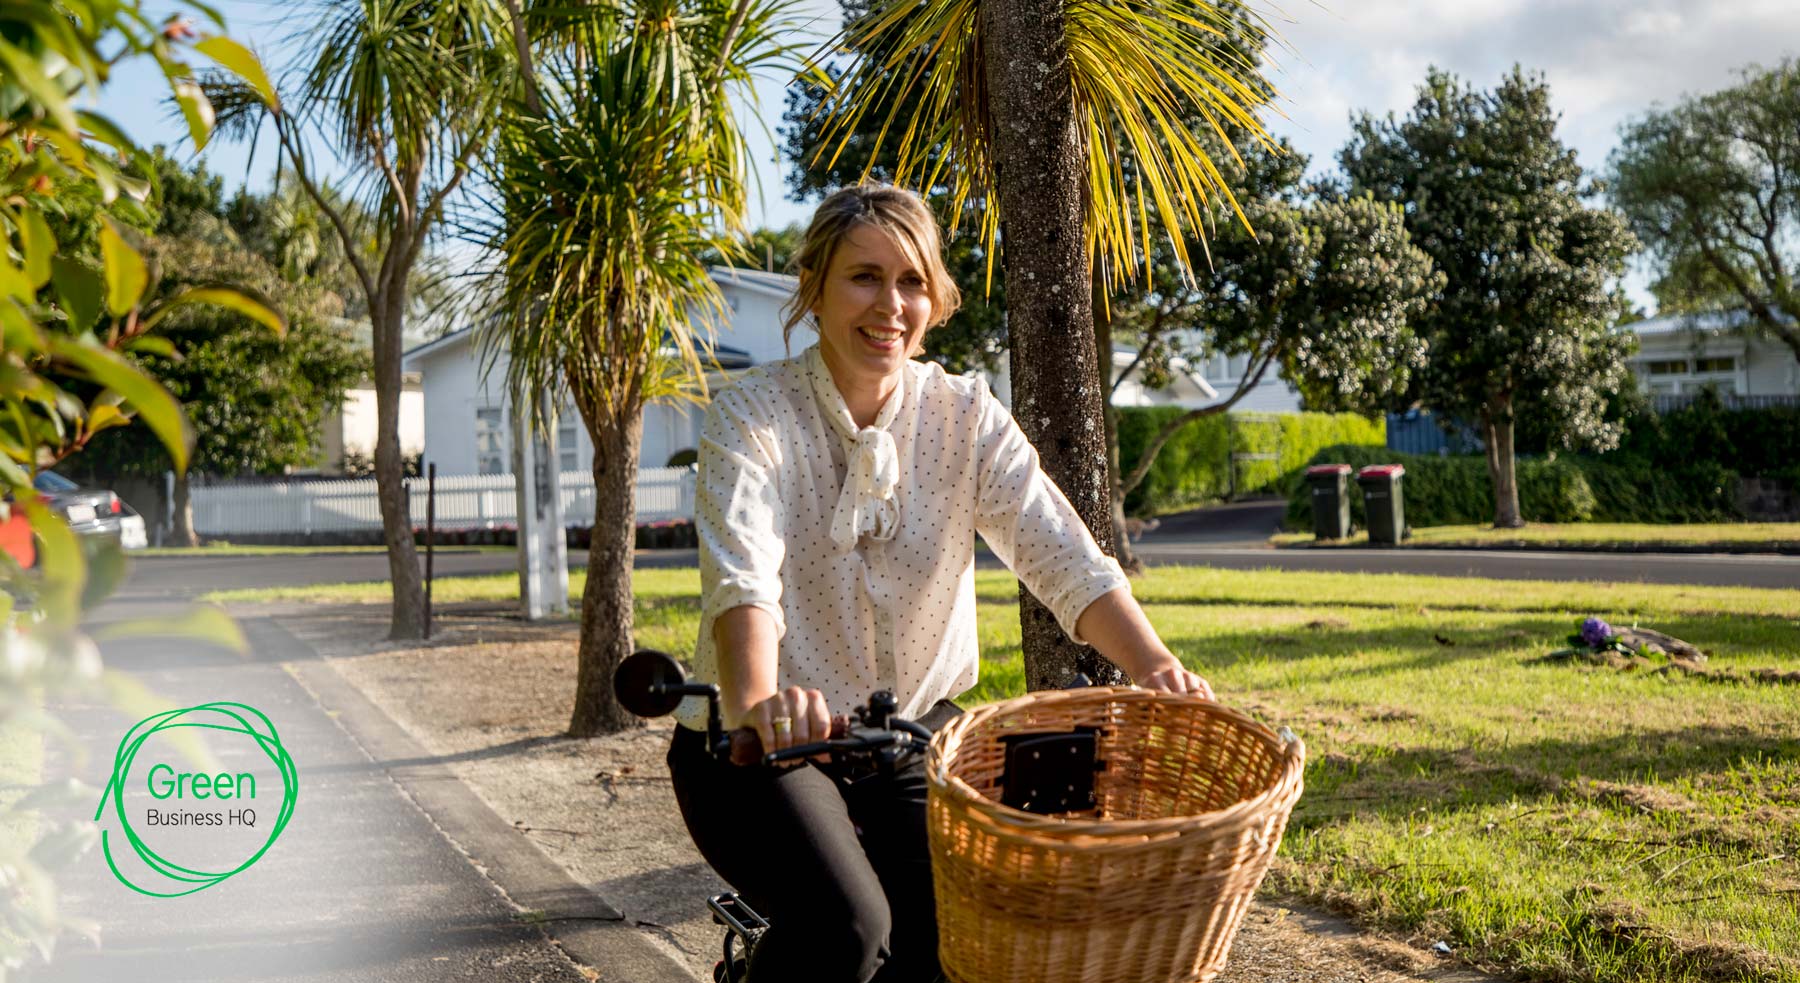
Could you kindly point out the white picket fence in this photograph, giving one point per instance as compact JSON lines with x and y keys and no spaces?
{"x":472,"y":501}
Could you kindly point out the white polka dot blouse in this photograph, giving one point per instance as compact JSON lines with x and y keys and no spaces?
{"x":861,"y":544}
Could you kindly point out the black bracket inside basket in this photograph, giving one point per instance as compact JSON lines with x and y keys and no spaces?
{"x":1050,"y":773}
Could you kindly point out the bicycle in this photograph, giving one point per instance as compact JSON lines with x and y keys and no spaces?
{"x":652,"y":684}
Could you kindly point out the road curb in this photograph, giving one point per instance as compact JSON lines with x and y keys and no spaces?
{"x":591,"y":931}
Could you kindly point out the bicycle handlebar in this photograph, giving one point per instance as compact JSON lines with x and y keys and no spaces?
{"x":746,"y":746}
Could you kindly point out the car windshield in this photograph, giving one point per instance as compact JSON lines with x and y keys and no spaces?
{"x":50,"y":481}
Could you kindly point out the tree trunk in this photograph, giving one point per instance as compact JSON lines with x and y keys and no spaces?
{"x":407,"y":619}
{"x":1497,"y":421}
{"x":183,"y":507}
{"x":1056,"y":392}
{"x":1103,"y":349}
{"x":606,"y":602}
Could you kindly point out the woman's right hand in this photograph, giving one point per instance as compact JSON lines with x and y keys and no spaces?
{"x":809,"y":719}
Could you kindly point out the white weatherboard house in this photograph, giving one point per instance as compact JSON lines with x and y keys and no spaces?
{"x":468,"y":424}
{"x":1681,"y":355}
{"x":468,"y":429}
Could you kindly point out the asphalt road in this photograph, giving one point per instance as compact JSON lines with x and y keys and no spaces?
{"x":1233,"y":537}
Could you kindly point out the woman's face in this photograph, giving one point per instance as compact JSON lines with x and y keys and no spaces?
{"x":872,"y":310}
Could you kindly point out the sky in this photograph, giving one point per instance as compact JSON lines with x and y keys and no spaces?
{"x":1606,"y":61}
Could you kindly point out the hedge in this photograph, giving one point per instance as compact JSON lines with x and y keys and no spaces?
{"x":1443,"y":491}
{"x":1194,"y":466}
{"x":1761,"y":442}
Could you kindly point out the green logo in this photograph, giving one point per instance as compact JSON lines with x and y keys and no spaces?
{"x":234,"y":793}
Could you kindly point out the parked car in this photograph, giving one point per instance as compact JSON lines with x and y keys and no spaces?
{"x":95,"y":512}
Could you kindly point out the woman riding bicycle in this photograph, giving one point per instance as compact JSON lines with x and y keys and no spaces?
{"x":840,"y":493}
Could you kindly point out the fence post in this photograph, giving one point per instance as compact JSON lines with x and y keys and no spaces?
{"x":689,"y":480}
{"x":430,"y":538}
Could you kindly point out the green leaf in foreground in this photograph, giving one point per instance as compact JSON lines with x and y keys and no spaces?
{"x":242,"y":63}
{"x":202,"y":624}
{"x":152,"y":402}
{"x":226,"y":297}
{"x":126,"y":275}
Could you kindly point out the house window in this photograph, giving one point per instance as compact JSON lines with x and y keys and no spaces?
{"x":1666,"y":366}
{"x":568,"y":450}
{"x":490,"y":440}
{"x":1716,"y":365}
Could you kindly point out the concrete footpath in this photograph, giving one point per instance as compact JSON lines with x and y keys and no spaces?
{"x":390,"y":869}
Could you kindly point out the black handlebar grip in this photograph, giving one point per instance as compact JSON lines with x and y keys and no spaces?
{"x":746,"y":747}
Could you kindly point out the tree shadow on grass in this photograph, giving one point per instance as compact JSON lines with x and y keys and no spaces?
{"x":1392,"y":782}
{"x":1545,"y":608}
{"x":1439,"y":644}
{"x":1423,"y":646}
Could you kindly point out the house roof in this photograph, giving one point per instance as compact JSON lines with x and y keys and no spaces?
{"x":1123,"y":355}
{"x":778,"y":285}
{"x":1691,"y":323}
{"x":453,"y":339}
{"x":727,"y":356}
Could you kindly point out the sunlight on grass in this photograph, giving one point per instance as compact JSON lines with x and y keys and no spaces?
{"x":1597,"y":535}
{"x":1555,"y":822}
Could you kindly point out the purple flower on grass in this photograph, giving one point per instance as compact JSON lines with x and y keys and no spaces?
{"x":1595,"y":632}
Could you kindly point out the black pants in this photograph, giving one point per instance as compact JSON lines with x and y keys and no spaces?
{"x":838,"y":864}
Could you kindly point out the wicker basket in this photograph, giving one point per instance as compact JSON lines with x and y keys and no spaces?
{"x":1149,"y":886}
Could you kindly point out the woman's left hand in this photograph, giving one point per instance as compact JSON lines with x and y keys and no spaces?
{"x":1174,"y":678}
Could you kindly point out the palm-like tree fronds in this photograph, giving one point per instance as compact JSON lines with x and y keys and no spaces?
{"x":1141,"y":70}
{"x":614,"y":191}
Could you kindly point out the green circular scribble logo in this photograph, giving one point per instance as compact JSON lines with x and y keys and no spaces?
{"x":164,"y":782}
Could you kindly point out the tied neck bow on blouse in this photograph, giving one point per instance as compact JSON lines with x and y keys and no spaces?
{"x":866,"y":505}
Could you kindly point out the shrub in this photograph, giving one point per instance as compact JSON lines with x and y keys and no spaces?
{"x":1758,"y":442}
{"x":1193,"y":467}
{"x":1441,"y":491}
{"x":1189,"y":471}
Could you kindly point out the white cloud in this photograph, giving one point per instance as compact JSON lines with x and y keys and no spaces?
{"x":1605,"y":60}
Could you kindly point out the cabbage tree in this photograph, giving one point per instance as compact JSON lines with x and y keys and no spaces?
{"x":619,"y":175}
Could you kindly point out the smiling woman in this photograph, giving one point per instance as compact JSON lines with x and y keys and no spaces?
{"x":872,"y":282}
{"x":839,"y":497}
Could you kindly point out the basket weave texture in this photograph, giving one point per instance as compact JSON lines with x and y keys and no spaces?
{"x":1148,"y":887}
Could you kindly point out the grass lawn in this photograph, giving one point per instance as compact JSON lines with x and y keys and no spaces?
{"x":1553,"y":821}
{"x":1739,"y":536}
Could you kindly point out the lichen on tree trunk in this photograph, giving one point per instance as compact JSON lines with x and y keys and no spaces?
{"x":1057,"y":394}
{"x":606,"y":602}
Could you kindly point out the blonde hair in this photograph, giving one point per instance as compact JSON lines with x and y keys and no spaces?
{"x":898,"y":212}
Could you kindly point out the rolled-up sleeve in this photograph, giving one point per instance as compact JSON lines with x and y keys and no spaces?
{"x":1031,"y":526}
{"x":737,"y":512}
